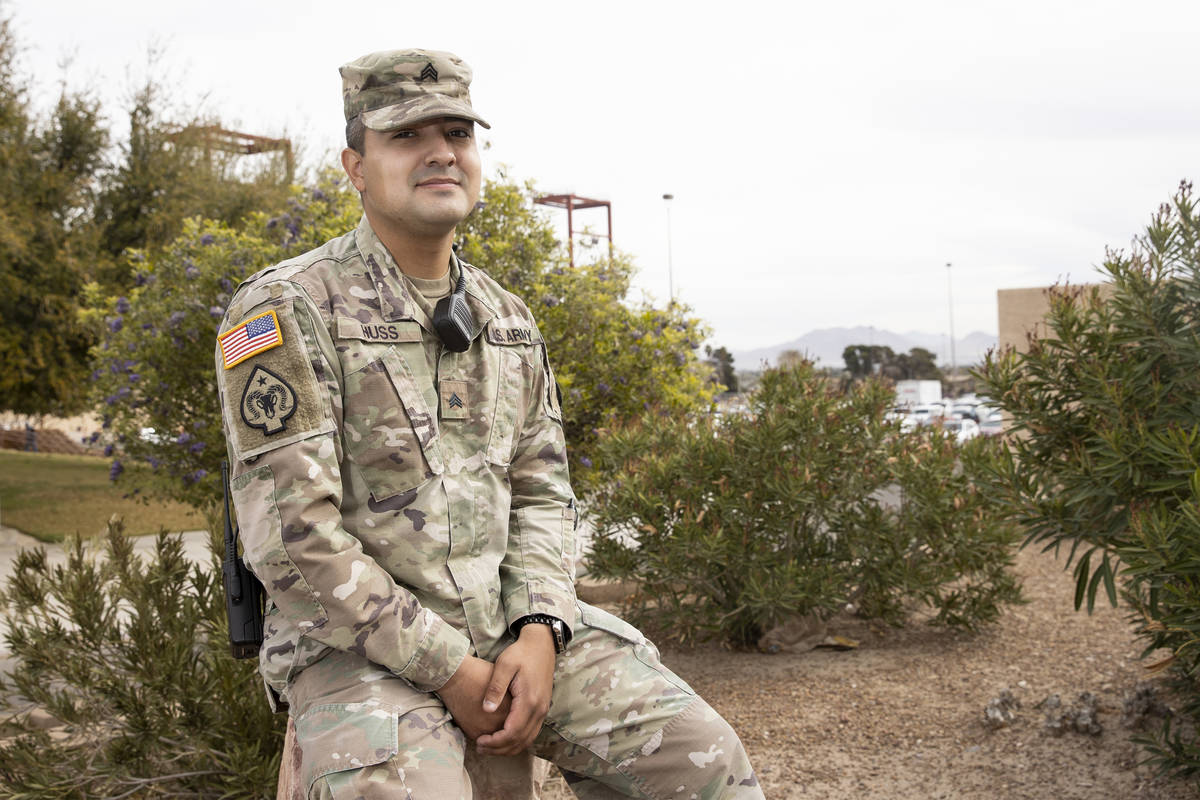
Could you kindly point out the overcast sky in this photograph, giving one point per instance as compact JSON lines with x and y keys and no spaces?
{"x":827,"y":159}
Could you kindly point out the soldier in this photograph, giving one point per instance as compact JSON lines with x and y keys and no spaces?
{"x":400,"y":478}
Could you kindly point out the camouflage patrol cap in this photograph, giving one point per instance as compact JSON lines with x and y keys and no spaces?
{"x":394,"y":88}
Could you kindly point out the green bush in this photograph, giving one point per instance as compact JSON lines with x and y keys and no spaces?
{"x":1104,"y":460}
{"x":130,"y":659}
{"x":808,"y":502}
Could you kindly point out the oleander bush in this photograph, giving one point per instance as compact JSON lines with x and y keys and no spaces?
{"x":1103,"y":464}
{"x":123,"y":663}
{"x":809,"y":502}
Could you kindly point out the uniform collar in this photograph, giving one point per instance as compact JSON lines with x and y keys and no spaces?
{"x":395,"y":300}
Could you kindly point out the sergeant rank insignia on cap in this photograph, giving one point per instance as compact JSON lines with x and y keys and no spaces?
{"x":252,"y":337}
{"x":429,"y":73}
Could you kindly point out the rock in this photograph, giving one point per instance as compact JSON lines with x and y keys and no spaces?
{"x":1001,"y":710}
{"x":1083,"y":717}
{"x":1141,"y":705}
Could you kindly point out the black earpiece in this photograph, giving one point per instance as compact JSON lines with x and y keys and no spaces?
{"x":452,"y":318}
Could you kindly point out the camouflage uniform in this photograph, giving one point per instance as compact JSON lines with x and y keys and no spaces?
{"x":404,"y":505}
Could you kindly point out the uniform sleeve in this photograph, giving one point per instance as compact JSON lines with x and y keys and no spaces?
{"x":537,"y":575}
{"x":281,"y":407}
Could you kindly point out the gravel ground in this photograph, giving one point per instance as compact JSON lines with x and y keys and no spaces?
{"x":902,"y":716}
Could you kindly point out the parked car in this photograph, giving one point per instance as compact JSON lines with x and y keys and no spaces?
{"x":992,"y":424}
{"x":927,"y":414}
{"x":964,"y":429}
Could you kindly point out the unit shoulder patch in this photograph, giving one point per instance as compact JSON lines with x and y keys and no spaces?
{"x":268,"y":401}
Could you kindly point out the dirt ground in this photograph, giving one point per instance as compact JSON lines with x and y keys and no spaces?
{"x":902,"y":716}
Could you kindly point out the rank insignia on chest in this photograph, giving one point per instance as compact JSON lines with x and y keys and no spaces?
{"x":454,"y":400}
{"x":254,"y":336}
{"x":267,"y":401}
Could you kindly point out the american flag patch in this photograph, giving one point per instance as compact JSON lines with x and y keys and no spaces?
{"x":250,"y":338}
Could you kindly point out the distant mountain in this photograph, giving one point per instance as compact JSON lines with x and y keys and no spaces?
{"x":825,"y":346}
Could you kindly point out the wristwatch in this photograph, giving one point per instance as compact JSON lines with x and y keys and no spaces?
{"x":556,"y":628}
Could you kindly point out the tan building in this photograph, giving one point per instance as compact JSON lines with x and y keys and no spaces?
{"x":1022,"y":312}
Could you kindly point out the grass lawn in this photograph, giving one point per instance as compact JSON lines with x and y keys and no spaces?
{"x":51,"y":496}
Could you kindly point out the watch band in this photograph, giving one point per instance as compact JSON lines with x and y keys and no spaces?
{"x":557,"y":629}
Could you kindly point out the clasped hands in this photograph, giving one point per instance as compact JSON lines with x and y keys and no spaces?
{"x":501,"y":706}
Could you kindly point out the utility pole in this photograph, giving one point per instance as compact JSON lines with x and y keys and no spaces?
{"x":670,"y":267}
{"x":950,"y":303}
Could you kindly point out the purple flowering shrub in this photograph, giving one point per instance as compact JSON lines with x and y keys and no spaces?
{"x":153,"y":381}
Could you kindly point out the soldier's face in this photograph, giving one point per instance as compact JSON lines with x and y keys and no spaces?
{"x":422,"y":180}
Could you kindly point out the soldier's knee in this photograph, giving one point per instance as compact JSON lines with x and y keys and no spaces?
{"x":697,"y":755}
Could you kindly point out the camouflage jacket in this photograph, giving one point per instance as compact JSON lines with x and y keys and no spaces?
{"x":398,"y":500}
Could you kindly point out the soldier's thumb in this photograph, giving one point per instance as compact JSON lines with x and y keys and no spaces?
{"x":502,"y":676}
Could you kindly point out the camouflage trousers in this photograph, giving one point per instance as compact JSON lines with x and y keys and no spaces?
{"x":620,"y":725}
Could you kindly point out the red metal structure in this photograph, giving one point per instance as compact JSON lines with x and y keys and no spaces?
{"x":572,"y":203}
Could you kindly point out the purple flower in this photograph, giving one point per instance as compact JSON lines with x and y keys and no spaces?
{"x":153,"y":462}
{"x":122,"y":305}
{"x":115,"y":324}
{"x":199,"y":424}
{"x":603,"y":388}
{"x":196,"y":447}
{"x":226,"y":284}
{"x":272,"y":222}
{"x":207,"y":239}
{"x":147,"y":326}
{"x":192,"y":271}
{"x":134,"y":377}
{"x":95,"y":375}
{"x":184,"y":438}
{"x":317,"y":194}
{"x":108,"y":450}
{"x":115,"y":470}
{"x":215,"y":312}
{"x":680,"y":359}
{"x":176,"y":318}
{"x":585,"y":461}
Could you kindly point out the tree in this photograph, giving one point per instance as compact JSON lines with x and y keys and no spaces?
{"x":1104,"y":460}
{"x":722,"y":364}
{"x":47,"y":180}
{"x":168,"y":171}
{"x":917,"y":364}
{"x":863,"y":360}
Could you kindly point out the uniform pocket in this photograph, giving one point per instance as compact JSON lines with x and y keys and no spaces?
{"x":344,"y":736}
{"x":389,"y":433}
{"x":643,"y":648}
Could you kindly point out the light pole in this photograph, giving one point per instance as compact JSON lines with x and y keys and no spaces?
{"x":950,"y":304}
{"x":670,"y":267}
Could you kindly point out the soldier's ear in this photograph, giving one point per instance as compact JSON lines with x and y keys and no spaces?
{"x":352,"y":162}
